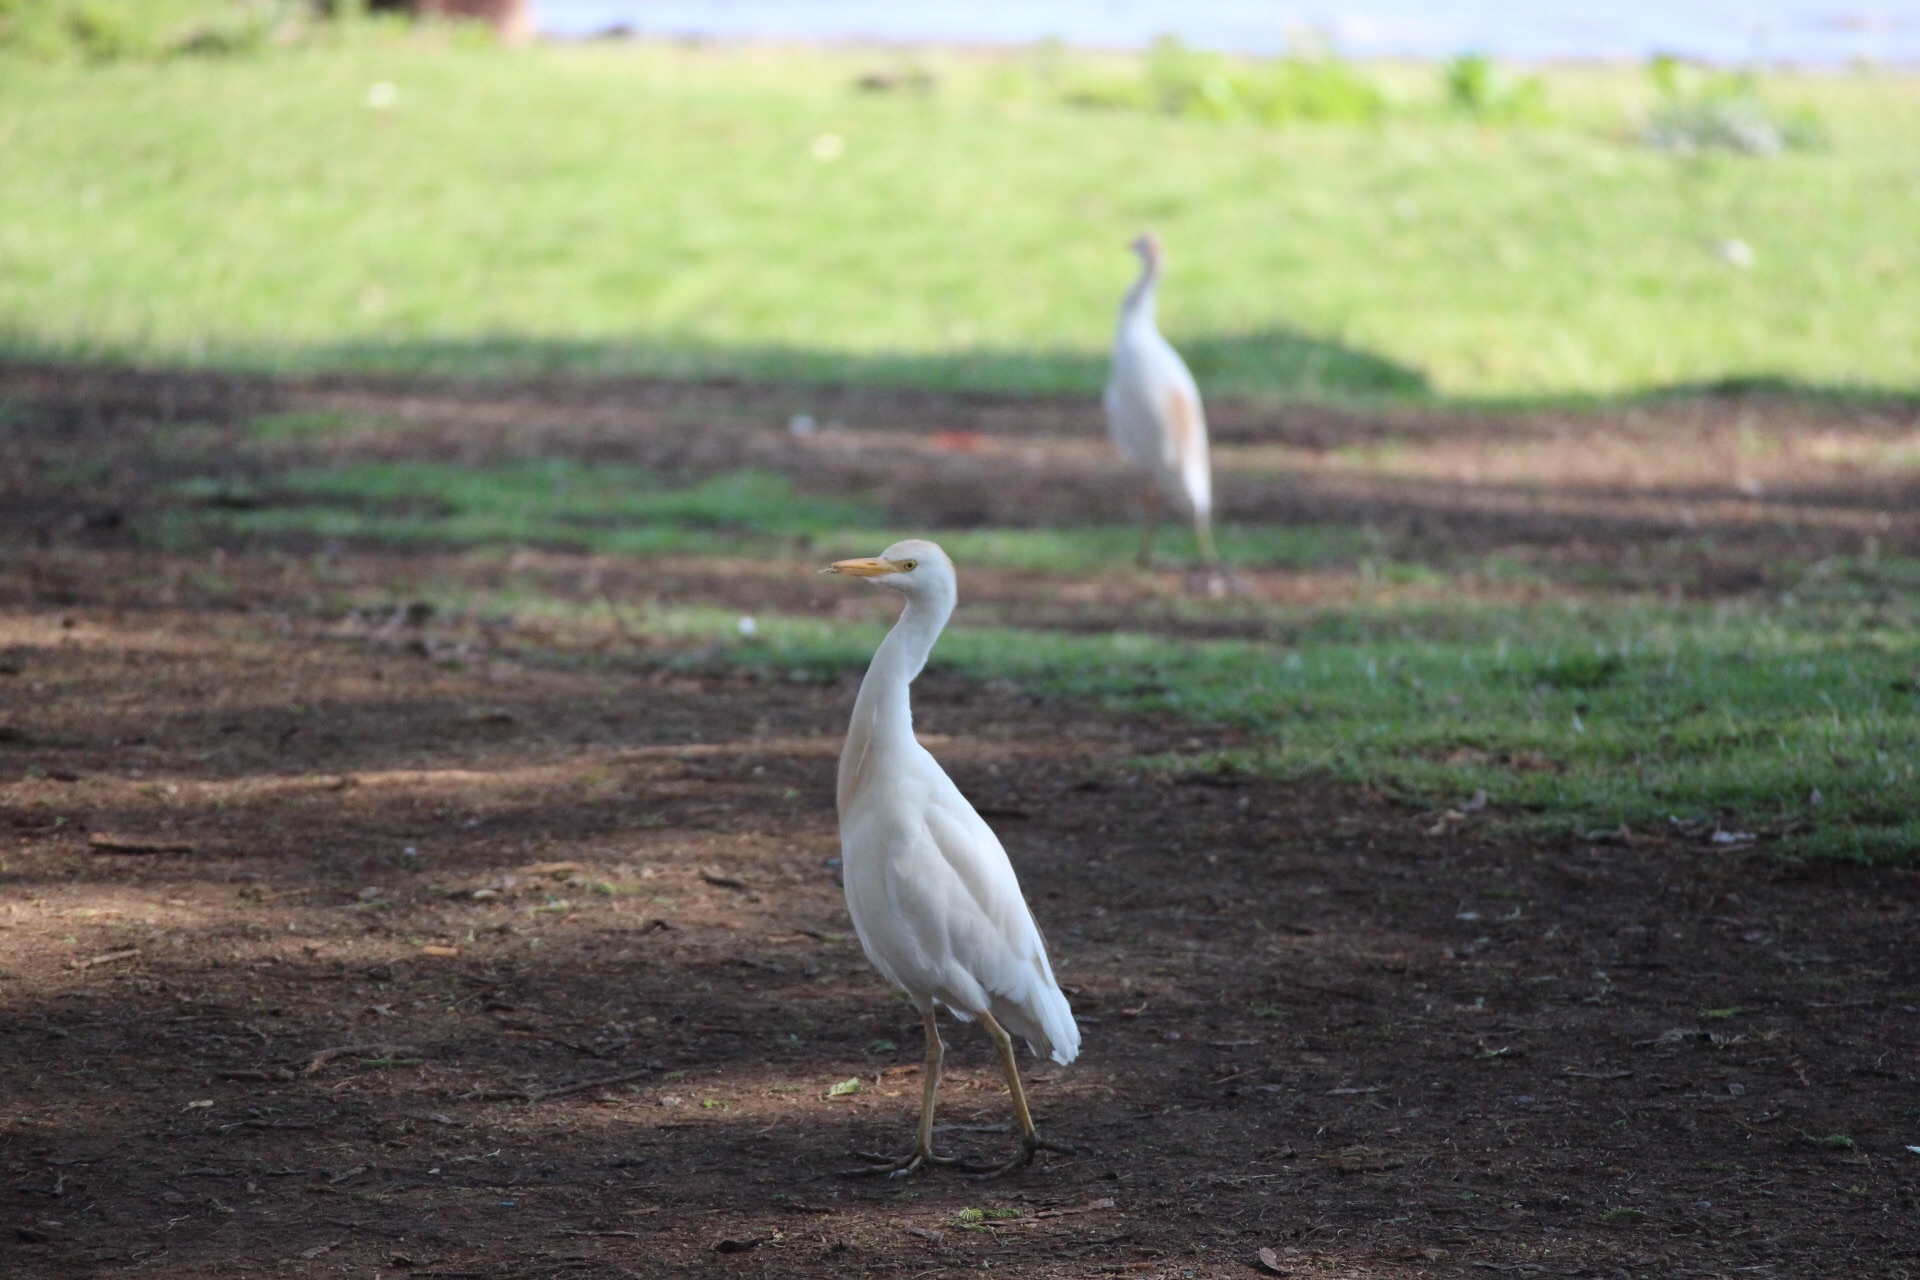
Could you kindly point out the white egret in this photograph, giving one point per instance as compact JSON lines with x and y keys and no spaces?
{"x":932,"y":895}
{"x":1154,"y":412}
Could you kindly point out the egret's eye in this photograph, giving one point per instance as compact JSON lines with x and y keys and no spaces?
{"x":909,"y":565}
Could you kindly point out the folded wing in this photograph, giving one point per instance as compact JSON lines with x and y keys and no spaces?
{"x":976,"y":941}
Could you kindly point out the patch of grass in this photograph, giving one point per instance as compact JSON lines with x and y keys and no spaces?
{"x":297,"y":425}
{"x":1581,"y":669}
{"x":976,"y":1217}
{"x":661,"y":209}
{"x":1723,"y":715}
{"x":1793,"y":718}
{"x":1622,"y":1215}
{"x":109,"y":30}
{"x":627,"y":510}
{"x":558,"y":502}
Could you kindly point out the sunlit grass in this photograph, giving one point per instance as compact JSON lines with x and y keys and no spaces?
{"x":663,"y":209}
{"x":623,"y":510}
{"x":1797,"y":717}
{"x":1797,"y":726}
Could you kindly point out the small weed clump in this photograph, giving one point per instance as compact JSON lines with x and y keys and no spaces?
{"x":1723,"y":112}
{"x":1476,"y":87}
{"x":112,"y":30}
{"x":1176,"y":80}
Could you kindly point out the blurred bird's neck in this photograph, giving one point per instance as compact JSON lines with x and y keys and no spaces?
{"x":882,"y":725}
{"x":1138,"y":306}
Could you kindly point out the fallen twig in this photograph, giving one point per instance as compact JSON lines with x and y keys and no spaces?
{"x":724,"y":881}
{"x":561,"y":1091}
{"x":105,"y":842}
{"x":318,"y":1060}
{"x":109,"y":958}
{"x":1092,"y":1206}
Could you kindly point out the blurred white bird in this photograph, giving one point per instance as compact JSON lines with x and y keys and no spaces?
{"x":933,"y":897}
{"x":1154,"y":412}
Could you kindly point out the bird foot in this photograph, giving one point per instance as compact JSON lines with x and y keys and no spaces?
{"x":1030,"y":1146}
{"x":876,"y":1166}
{"x":1214,"y":584}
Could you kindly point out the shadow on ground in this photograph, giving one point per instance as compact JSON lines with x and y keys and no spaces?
{"x":1716,"y":495}
{"x":407,"y":897}
{"x":1276,"y":362}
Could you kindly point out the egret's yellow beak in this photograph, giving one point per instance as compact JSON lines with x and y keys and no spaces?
{"x":870,"y":567}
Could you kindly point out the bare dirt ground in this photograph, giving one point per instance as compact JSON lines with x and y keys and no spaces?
{"x":323,"y":954}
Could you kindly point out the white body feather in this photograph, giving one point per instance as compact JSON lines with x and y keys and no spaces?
{"x":1153,"y":405}
{"x":933,"y":897}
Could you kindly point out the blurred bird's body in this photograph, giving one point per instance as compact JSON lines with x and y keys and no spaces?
{"x":1154,"y":412}
{"x":932,"y":895}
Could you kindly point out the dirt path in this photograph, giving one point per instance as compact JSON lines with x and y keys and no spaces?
{"x":298,"y":921}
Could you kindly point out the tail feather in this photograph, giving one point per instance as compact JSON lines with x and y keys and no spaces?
{"x":1044,"y":1020}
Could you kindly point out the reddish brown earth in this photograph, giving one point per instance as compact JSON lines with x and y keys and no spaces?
{"x":303,"y":917}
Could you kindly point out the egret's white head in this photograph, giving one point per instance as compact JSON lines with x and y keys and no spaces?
{"x":1147,"y":245}
{"x":915,"y":568}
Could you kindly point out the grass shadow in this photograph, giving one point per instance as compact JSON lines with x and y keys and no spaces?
{"x":1274,"y":363}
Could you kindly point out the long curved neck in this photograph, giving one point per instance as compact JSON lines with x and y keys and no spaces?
{"x":882,"y":725}
{"x":1138,"y":306}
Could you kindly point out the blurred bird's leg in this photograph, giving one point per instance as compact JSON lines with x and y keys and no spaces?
{"x":1147,"y":521}
{"x":923,"y":1148}
{"x":1211,"y":580}
{"x":1030,"y":1139}
{"x":1203,"y":530}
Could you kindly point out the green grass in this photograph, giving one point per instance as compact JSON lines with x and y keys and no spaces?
{"x":622,"y":510}
{"x":661,"y":209}
{"x":1582,"y":714}
{"x":1725,"y":718}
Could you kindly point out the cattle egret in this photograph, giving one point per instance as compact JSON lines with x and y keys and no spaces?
{"x":932,"y":895}
{"x":1154,"y":412}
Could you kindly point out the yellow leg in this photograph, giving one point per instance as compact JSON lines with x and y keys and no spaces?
{"x":930,"y":1087}
{"x":923,"y":1147}
{"x":1146,"y":525}
{"x":1030,"y":1139}
{"x":1203,"y":530}
{"x":1211,"y":578}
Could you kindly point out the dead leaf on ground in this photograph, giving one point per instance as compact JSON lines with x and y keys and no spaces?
{"x":1360,"y":1160}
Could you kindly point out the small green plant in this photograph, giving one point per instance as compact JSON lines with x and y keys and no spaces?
{"x":1620,"y":1215}
{"x":112,"y":30}
{"x":1191,"y":83}
{"x":1476,"y":87}
{"x":1177,"y":80}
{"x":979,"y":1217}
{"x":1722,"y":111}
{"x":1578,"y":670}
{"x":1837,"y":1142}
